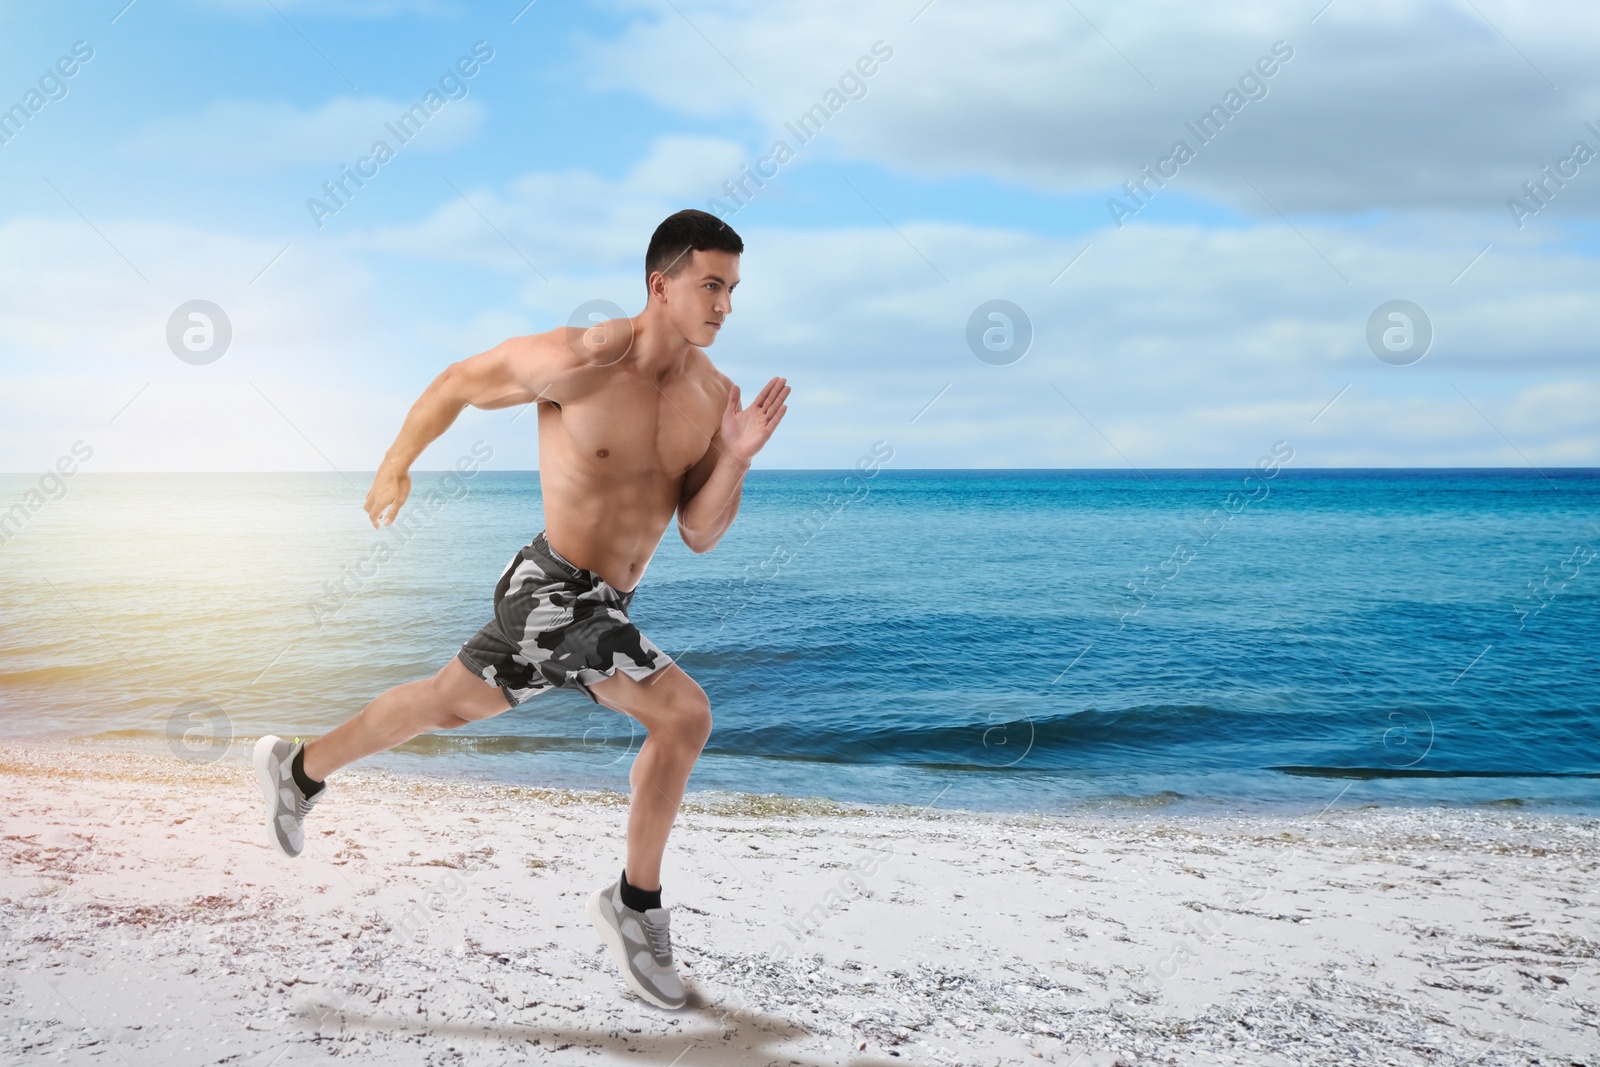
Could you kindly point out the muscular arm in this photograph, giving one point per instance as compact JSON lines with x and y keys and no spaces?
{"x":515,"y":371}
{"x":713,"y":487}
{"x":711,"y":493}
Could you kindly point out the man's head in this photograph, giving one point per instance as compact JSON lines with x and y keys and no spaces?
{"x":690,"y":270}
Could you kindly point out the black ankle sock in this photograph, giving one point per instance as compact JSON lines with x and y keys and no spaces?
{"x":297,"y":768}
{"x":636,"y":898}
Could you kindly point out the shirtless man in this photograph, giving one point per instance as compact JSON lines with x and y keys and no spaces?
{"x":635,"y":424}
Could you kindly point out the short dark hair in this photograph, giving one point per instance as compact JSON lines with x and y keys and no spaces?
{"x":683,"y":232}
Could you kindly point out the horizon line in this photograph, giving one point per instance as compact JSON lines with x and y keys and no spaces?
{"x":846,"y":470}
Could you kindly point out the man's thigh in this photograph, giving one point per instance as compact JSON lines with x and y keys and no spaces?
{"x":466,"y":694}
{"x":664,"y":699}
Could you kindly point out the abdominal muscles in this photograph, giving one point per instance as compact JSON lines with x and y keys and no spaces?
{"x":602,"y":512}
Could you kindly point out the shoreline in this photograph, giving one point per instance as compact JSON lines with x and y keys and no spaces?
{"x":463,"y":764}
{"x":442,"y":918}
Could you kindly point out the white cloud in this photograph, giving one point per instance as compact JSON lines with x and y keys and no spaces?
{"x":1385,"y":103}
{"x":1183,"y":346}
{"x":585,"y":232}
{"x":233,"y":135}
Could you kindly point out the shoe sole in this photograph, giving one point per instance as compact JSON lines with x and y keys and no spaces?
{"x":613,"y":940}
{"x":259,"y":757}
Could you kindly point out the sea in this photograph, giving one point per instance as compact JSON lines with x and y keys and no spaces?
{"x":998,"y":640}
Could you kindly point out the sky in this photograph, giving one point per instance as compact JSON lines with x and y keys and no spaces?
{"x":1377,"y":244}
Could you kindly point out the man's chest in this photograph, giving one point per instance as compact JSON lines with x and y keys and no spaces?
{"x":633,"y":425}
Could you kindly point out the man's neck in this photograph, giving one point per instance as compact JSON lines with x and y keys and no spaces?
{"x":658,"y":350}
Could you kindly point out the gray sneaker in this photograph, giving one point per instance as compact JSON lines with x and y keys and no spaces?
{"x":641,"y":942}
{"x":287,"y":807}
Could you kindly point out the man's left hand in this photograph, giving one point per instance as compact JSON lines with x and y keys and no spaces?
{"x":746,"y":430}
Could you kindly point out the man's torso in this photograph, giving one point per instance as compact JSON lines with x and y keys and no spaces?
{"x":614,"y":448}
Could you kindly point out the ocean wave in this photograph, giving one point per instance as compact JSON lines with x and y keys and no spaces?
{"x":1054,"y":741}
{"x":1367,"y":773}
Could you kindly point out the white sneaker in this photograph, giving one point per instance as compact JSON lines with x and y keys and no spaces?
{"x":641,"y":941}
{"x":287,"y":807}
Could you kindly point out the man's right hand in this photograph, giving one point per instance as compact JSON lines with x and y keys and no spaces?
{"x":390,"y":488}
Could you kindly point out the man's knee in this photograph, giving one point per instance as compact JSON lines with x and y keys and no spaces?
{"x":688,"y":718}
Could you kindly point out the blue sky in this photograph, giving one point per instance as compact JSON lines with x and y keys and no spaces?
{"x":977,"y":160}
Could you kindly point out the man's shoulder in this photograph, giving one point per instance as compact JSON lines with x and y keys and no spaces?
{"x":560,"y":349}
{"x":704,"y":372}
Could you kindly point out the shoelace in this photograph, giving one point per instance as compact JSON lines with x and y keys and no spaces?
{"x":304,"y":805}
{"x":660,"y":937}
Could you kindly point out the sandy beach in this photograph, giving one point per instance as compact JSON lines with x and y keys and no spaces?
{"x":439,"y":922}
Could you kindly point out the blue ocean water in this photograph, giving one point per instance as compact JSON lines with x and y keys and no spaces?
{"x":1005,"y":640}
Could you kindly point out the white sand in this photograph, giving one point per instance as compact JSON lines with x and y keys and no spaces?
{"x":431,"y":922}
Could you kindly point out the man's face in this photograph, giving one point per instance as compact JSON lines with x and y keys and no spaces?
{"x":700,"y":296}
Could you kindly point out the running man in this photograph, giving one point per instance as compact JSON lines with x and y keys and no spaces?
{"x":635,"y":424}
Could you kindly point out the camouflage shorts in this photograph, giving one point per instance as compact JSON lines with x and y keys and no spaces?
{"x":557,"y":625}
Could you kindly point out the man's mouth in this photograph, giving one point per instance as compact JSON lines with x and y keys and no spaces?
{"x":718,"y":325}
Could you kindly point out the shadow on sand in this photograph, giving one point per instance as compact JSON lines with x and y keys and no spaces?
{"x":718,"y":1044}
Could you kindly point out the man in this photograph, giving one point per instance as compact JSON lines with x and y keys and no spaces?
{"x":635,"y":424}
